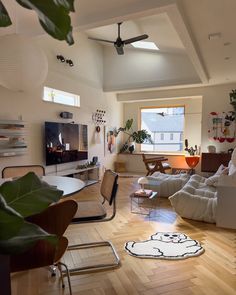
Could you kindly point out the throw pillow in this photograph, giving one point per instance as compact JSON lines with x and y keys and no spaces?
{"x":232,"y":168}
{"x":213,"y":180}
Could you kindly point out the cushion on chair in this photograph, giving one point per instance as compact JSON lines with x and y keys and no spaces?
{"x":89,"y":210}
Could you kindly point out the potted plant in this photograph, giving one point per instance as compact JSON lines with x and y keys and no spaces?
{"x":140,"y":136}
{"x":20,"y":198}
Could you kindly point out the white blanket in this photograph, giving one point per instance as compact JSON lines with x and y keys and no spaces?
{"x":166,"y":184}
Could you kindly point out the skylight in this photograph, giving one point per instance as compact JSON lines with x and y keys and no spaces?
{"x":145,"y":45}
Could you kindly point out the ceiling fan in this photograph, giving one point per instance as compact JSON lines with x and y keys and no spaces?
{"x":119,"y":43}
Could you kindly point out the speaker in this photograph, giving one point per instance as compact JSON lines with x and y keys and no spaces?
{"x":66,"y":115}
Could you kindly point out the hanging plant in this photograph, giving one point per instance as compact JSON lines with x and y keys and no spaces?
{"x":53,"y":16}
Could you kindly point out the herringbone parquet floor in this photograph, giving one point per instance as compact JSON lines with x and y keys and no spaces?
{"x":213,"y":273}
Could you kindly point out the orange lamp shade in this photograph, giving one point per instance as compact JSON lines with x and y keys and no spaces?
{"x":192,"y":161}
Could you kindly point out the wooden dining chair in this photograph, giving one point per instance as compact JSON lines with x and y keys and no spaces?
{"x":154,"y":164}
{"x":17,"y":171}
{"x":95,"y":211}
{"x":55,"y":220}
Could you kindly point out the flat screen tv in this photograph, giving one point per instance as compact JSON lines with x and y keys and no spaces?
{"x":65,"y":142}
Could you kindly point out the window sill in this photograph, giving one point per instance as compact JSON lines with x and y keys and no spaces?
{"x":153,"y":154}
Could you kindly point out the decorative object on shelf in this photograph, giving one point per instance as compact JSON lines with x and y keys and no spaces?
{"x":19,"y":57}
{"x":12,"y":138}
{"x":193,"y":159}
{"x":140,"y":136}
{"x":54,"y":17}
{"x":62,"y":59}
{"x":192,"y":151}
{"x":222,"y":126}
{"x":142,"y":181}
{"x":94,"y":160}
{"x":211,"y":149}
{"x":131,"y":148}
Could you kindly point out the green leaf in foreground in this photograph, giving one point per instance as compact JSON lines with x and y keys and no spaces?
{"x":68,"y":4}
{"x":53,"y":16}
{"x":28,"y":235}
{"x":29,"y":195}
{"x":5,"y":20}
{"x":10,"y":221}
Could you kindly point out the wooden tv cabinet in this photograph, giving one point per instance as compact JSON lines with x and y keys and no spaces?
{"x":211,"y":161}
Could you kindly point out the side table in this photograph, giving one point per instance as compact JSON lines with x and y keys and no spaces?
{"x":137,"y":202}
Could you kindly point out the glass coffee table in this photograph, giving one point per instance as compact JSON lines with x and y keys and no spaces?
{"x":142,"y":204}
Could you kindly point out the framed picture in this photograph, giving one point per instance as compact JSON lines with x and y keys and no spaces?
{"x":109,"y":141}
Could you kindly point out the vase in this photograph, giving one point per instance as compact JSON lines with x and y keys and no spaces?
{"x":131,"y":147}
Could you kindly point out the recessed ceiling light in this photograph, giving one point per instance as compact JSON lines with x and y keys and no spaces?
{"x":145,"y":45}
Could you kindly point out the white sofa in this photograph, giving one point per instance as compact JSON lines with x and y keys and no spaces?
{"x":198,"y":199}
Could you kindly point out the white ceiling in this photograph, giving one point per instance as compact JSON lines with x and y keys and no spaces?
{"x":176,"y":26}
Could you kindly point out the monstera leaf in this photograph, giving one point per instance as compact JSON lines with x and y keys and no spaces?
{"x":21,"y":198}
{"x":5,"y":20}
{"x":29,"y":195}
{"x":53,"y":16}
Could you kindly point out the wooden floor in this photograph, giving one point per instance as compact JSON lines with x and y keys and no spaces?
{"x":212,"y":273}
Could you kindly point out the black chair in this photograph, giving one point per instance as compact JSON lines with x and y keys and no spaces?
{"x":95,"y":211}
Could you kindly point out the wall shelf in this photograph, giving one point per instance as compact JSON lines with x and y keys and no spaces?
{"x":12,"y":138}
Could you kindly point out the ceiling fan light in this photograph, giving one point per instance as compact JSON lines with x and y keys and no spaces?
{"x":145,"y":45}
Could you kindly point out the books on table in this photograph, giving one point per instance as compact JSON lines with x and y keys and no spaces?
{"x":143,"y":193}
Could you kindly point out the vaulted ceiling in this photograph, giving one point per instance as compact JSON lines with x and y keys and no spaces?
{"x":197,"y":39}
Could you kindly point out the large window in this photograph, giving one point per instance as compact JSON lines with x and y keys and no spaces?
{"x":62,"y":97}
{"x":166,"y":126}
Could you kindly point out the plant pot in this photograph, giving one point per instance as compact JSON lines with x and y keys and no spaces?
{"x":131,"y":147}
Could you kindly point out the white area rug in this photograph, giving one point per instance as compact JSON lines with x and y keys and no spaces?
{"x":165,"y":245}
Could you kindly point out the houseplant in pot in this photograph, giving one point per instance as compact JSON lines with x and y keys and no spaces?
{"x":19,"y":199}
{"x":132,"y":137}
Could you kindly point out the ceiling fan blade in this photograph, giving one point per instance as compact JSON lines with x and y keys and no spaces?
{"x":120,"y":50}
{"x":97,"y":39}
{"x":135,"y":39}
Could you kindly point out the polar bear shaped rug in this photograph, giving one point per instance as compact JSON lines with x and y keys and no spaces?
{"x":165,"y":245}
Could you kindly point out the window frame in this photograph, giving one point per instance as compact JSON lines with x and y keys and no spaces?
{"x":161,"y":107}
{"x":76,"y":97}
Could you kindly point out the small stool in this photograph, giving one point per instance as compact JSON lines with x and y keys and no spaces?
{"x":136,"y":202}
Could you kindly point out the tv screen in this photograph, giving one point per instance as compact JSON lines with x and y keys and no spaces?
{"x":65,"y":142}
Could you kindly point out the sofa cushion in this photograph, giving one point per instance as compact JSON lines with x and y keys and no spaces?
{"x":166,"y":184}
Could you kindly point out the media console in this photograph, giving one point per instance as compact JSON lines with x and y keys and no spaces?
{"x":89,"y":175}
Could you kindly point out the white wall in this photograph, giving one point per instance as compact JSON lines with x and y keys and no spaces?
{"x":84,"y":79}
{"x":143,"y":69}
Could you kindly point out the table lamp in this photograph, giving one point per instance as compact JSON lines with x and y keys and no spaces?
{"x":142,"y":181}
